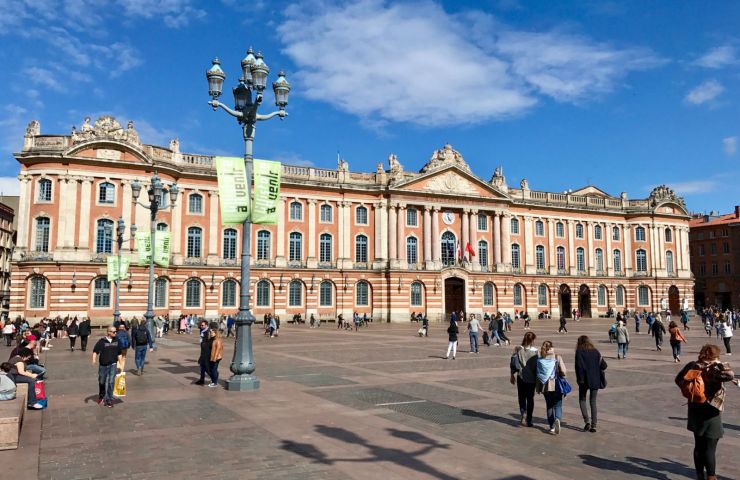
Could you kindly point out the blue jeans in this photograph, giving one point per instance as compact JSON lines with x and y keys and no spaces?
{"x":106,"y":377}
{"x":213,"y":371}
{"x":622,"y":349}
{"x":140,"y":355}
{"x":474,"y":342}
{"x":39,"y":371}
{"x":496,"y":335}
{"x":676,"y":347}
{"x":554,"y":403}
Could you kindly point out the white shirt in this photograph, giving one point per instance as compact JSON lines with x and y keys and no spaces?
{"x":474,"y":325}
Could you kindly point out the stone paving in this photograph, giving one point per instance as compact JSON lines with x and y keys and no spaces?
{"x":379,"y":403}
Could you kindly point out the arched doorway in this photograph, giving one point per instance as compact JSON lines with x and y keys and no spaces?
{"x":584,"y":301}
{"x":674,"y":300}
{"x":564,"y":301}
{"x":454,"y":296}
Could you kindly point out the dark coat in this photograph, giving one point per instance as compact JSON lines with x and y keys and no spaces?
{"x":205,"y":351}
{"x":589,"y":364}
{"x":452,"y":330}
{"x":84,"y":328}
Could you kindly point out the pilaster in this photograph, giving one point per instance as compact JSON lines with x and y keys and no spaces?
{"x":213,"y":229}
{"x":280,"y":260}
{"x":312,"y":261}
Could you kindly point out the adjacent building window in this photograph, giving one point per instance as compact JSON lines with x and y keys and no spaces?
{"x":619,"y":296}
{"x":597,"y":232}
{"x":43,"y":226}
{"x":579,"y":230}
{"x":195,"y":203}
{"x":161,"y":227}
{"x":230,"y":244}
{"x":713,"y":248}
{"x":540,"y":257}
{"x":701,"y":250}
{"x":228,"y":293}
{"x":416,"y":295}
{"x":44,"y":190}
{"x":601,"y":295}
{"x":518,"y":295}
{"x":326,"y":213}
{"x":412,"y":219}
{"x":106,"y":193}
{"x":295,"y":247}
{"x":703,"y":269}
{"x":195,"y":242}
{"x":643,"y":296}
{"x":101,"y":293}
{"x":515,"y":226}
{"x":641,"y":260}
{"x":542,"y":295}
{"x":192,"y":293}
{"x":726,"y":247}
{"x":296,"y":211}
{"x":448,"y":248}
{"x":640,"y":234}
{"x":38,"y":292}
{"x":539,"y":228}
{"x":617,"y":257}
{"x":411,"y":250}
{"x":326,"y":291}
{"x":668,"y":235}
{"x":669,"y":262}
{"x":728,"y":268}
{"x":104,"y":236}
{"x":515,"y":256}
{"x":362,"y":294}
{"x":488,"y":294}
{"x":160,"y":293}
{"x":263,"y":293}
{"x":263,"y":245}
{"x":483,"y":253}
{"x":361,"y":215}
{"x":325,"y":248}
{"x":295,"y":294}
{"x":580,"y":259}
{"x":560,"y":256}
{"x":361,"y":249}
{"x":599,"y":259}
{"x":482,"y":222}
{"x":715,"y":268}
{"x":559,"y":230}
{"x":615,"y":233}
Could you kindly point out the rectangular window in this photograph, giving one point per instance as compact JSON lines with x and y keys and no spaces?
{"x":601,"y":296}
{"x":411,"y":217}
{"x":715,"y":269}
{"x":482,"y":223}
{"x":727,"y":268}
{"x":703,"y":269}
{"x":411,"y":254}
{"x":515,"y":226}
{"x":540,"y":254}
{"x":326,"y":214}
{"x":615,"y":233}
{"x":106,"y":194}
{"x":559,"y":230}
{"x":579,"y":230}
{"x":642,"y":296}
{"x":726,"y":247}
{"x":361,"y":216}
{"x":701,"y":250}
{"x":160,"y":293}
{"x":296,"y":211}
{"x":539,"y":229}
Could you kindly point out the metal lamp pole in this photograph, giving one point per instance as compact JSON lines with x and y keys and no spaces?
{"x":155,"y":193}
{"x":247,"y":99}
{"x":120,"y":230}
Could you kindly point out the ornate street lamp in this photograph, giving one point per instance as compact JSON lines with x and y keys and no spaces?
{"x":247,"y":99}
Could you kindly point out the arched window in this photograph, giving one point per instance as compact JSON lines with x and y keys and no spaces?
{"x":195,"y":242}
{"x":295,"y":294}
{"x":45,"y":190}
{"x":539,"y":228}
{"x":296,"y":211}
{"x":559,"y":230}
{"x":643,"y":296}
{"x":325,"y":248}
{"x":416,"y":294}
{"x":640,"y":234}
{"x":619,"y":296}
{"x":101,"y":293}
{"x":668,"y":235}
{"x":104,"y":236}
{"x":542,"y":295}
{"x":361,"y":249}
{"x":192,"y":293}
{"x":615,"y":233}
{"x":326,"y":213}
{"x":518,"y":295}
{"x":412,"y":253}
{"x":263,"y":293}
{"x":597,"y":232}
{"x":228,"y":293}
{"x":38,"y":292}
{"x":43,"y":227}
{"x":195,"y":203}
{"x":106,"y":193}
{"x":515,"y":264}
{"x":601,"y":295}
{"x":488,"y":294}
{"x":617,"y":257}
{"x":483,"y":254}
{"x":641,"y":257}
{"x":361,"y":215}
{"x":560,"y":255}
{"x":579,"y":230}
{"x":669,"y":262}
{"x":326,"y":294}
{"x":161,"y":227}
{"x":295,"y":250}
{"x":448,"y":248}
{"x":230,"y":244}
{"x":515,"y":226}
{"x":263,"y":245}
{"x":362,"y":294}
{"x":580,"y":259}
{"x":540,"y":257}
{"x":160,"y":293}
{"x":599,"y":258}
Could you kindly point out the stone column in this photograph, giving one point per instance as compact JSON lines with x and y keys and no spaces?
{"x":551,"y":246}
{"x":529,"y":263}
{"x":64,"y":208}
{"x":652,"y":248}
{"x":175,"y":228}
{"x":71,"y":201}
{"x":213,"y":228}
{"x":342,"y":231}
{"x":571,"y":247}
{"x":427,"y":237}
{"x":684,"y":232}
{"x":627,"y":253}
{"x":473,"y":239}
{"x":380,"y":235}
{"x":497,"y":240}
{"x":465,"y":234}
{"x":506,"y":241}
{"x":393,"y":235}
{"x":608,"y":255}
{"x":280,"y":260}
{"x":349,"y":240}
{"x":383,"y":210}
{"x":312,"y":261}
{"x":591,"y":266}
{"x":401,"y":237}
{"x":126,"y":198}
{"x":436,"y":245}
{"x":660,"y":235}
{"x":24,"y":220}
{"x":85,"y":199}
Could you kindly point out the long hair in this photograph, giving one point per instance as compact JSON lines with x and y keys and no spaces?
{"x":528,"y":339}
{"x":708,"y":353}
{"x":584,"y":343}
{"x":672,"y":325}
{"x":546,"y":347}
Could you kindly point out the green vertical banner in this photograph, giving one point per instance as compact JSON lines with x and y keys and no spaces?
{"x":266,"y":192}
{"x":144,"y":247}
{"x":113,"y":268}
{"x":232,"y":190}
{"x":162,"y":249}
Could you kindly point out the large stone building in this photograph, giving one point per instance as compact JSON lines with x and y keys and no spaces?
{"x":386,"y":243}
{"x":8,"y":205}
{"x":715,"y":259}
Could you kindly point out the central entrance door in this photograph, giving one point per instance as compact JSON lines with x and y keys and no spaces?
{"x":454,"y":296}
{"x":584,"y":301}
{"x":674,"y":300}
{"x":564,"y":302}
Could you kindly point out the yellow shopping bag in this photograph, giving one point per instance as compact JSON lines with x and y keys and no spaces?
{"x":119,"y":387}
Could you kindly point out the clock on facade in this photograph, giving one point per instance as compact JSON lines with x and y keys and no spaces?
{"x":448,"y":218}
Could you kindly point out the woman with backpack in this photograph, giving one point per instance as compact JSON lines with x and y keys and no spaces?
{"x":590,"y":367}
{"x":452,"y":331}
{"x":550,"y":367}
{"x":72,"y":331}
{"x":524,"y":375}
{"x":676,"y":339}
{"x":701,"y":382}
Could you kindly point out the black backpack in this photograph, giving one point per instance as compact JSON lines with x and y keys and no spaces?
{"x":141,"y":336}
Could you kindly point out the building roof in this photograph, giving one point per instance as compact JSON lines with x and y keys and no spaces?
{"x":708,"y":221}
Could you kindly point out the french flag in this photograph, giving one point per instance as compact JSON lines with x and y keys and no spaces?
{"x":459,"y":251}
{"x":469,"y":249}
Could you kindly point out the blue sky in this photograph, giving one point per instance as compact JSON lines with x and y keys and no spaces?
{"x":622,"y":95}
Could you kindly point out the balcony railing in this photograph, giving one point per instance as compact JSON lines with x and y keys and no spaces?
{"x":229,"y":262}
{"x":562,"y":271}
{"x":194,"y":261}
{"x":620,"y":274}
{"x":543,"y":271}
{"x":600,"y":273}
{"x":327,"y":265}
{"x":296,"y":264}
{"x":264,"y":263}
{"x":360,"y":266}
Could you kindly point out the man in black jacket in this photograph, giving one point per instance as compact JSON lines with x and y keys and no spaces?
{"x":108,"y":352}
{"x":84,"y":332}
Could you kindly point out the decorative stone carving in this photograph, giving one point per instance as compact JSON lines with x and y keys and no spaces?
{"x":379,"y":168}
{"x":33,"y":129}
{"x":394,"y":165}
{"x":661,"y":194}
{"x":524,"y":184}
{"x":106,"y":128}
{"x":175,"y":145}
{"x":444,"y":157}
{"x":342,"y":165}
{"x":449,"y":183}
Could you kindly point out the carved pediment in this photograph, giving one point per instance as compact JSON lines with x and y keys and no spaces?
{"x":105,"y":128}
{"x":451,"y":181}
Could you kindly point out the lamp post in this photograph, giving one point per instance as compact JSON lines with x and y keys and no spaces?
{"x":120,"y":230}
{"x":247,"y":99}
{"x":156,"y":200}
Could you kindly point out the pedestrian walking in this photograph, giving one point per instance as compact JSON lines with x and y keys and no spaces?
{"x":230,"y":326}
{"x":637,"y":323}
{"x":676,"y":339}
{"x":84,"y":331}
{"x":685,"y":320}
{"x":217,"y":353}
{"x":204,"y":360}
{"x":425,"y":325}
{"x":452,"y":332}
{"x":658,"y":331}
{"x":524,"y":374}
{"x":562,"y":328}
{"x":107,"y":352}
{"x":501,"y":329}
{"x":591,"y":377}
{"x":141,"y":339}
{"x":9,"y":332}
{"x":124,"y":342}
{"x":473,"y":329}
{"x":550,"y":367}
{"x":705,"y":405}
{"x":272,"y":327}
{"x":623,"y":340}
{"x":725,"y":329}
{"x":72,"y":331}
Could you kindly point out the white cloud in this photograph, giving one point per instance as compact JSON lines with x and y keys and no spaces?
{"x":13,"y":120}
{"x":729,"y":145}
{"x":10,"y":186}
{"x":174,"y":13}
{"x":414,"y":62}
{"x":717,"y":57}
{"x":693,"y":187}
{"x":705,"y":92}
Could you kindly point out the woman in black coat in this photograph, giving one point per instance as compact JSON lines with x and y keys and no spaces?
{"x":206,"y":345}
{"x":452,"y":331}
{"x":590,"y":366}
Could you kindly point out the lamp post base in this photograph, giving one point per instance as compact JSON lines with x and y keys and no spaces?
{"x":242,"y":383}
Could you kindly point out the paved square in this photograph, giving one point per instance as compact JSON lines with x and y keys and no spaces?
{"x":380,"y":403}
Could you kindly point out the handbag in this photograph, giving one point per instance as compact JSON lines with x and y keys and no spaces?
{"x":562,"y":386}
{"x":40,"y":390}
{"x":602,"y":373}
{"x":119,"y":386}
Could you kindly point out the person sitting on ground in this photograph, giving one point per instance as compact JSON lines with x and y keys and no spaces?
{"x":15,"y":368}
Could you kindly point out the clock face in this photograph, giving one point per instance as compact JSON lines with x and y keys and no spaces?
{"x":448,"y":217}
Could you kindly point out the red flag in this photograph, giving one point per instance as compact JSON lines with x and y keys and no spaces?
{"x":469,"y":249}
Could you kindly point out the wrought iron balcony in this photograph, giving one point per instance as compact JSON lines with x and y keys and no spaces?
{"x":194,"y":261}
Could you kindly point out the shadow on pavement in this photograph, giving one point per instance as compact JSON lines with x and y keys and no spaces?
{"x":641,"y":467}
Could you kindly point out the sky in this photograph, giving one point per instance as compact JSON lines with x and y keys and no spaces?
{"x":622,"y":95}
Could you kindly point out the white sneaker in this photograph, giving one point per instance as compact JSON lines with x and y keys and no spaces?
{"x":557,"y":426}
{"x":213,"y":385}
{"x":44,"y":349}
